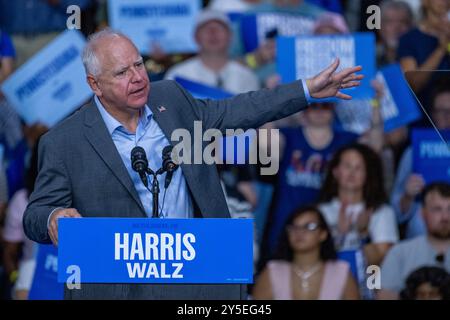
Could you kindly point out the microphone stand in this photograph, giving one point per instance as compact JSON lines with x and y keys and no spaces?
{"x":155,"y":191}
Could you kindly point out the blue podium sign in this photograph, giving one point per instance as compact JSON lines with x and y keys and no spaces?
{"x":304,"y":56}
{"x":169,"y":23}
{"x":431,"y":155}
{"x":52,"y":84}
{"x":45,"y":285}
{"x":127,"y":250}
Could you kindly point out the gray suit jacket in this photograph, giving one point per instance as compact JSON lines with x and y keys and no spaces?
{"x":80,"y":167}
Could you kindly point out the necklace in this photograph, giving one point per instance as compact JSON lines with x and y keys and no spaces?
{"x":305,"y":275}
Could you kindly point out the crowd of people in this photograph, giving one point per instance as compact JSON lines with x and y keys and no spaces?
{"x":340,"y":202}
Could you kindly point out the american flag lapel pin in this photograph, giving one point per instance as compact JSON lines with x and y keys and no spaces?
{"x":161,"y":108}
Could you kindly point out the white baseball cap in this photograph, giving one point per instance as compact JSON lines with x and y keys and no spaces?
{"x":211,"y":15}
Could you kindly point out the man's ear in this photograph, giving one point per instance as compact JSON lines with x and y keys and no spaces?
{"x":94,"y":85}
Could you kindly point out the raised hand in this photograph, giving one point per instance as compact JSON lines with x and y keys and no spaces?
{"x":53,"y":223}
{"x":327,"y":84}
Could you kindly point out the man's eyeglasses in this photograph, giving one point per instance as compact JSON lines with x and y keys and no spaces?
{"x":311,"y":226}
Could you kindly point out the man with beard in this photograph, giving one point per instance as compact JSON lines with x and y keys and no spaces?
{"x":432,"y":249}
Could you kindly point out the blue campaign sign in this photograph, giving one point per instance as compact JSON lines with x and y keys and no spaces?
{"x":255,"y":28}
{"x":202,"y":91}
{"x":127,"y":250}
{"x":398,"y":105}
{"x":52,"y":84}
{"x":355,"y":259}
{"x":169,"y":23}
{"x":45,"y":284}
{"x":304,"y":56}
{"x":431,"y":155}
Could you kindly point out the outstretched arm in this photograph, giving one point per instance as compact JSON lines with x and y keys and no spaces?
{"x":327,"y":84}
{"x":253,"y":109}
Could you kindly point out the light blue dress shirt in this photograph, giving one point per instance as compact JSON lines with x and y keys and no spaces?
{"x":177,"y":202}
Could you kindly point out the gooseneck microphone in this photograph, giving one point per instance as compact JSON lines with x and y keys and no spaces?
{"x":168,"y":165}
{"x":139,"y":163}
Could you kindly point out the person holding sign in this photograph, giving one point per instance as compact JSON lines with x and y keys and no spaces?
{"x":85,"y":166}
{"x":408,"y":184}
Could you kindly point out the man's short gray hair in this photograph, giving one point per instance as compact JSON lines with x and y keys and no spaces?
{"x":90,"y":59}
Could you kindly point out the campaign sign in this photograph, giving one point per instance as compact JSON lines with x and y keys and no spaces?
{"x":202,"y":91}
{"x":127,"y":250}
{"x":52,"y":84}
{"x":398,"y":105}
{"x":45,"y":284}
{"x":431,"y":155}
{"x":355,"y":259}
{"x":256,"y":28}
{"x":168,"y":23}
{"x":231,"y":149}
{"x":305,"y":56}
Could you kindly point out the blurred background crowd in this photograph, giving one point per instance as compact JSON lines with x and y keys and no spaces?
{"x":339,"y":200}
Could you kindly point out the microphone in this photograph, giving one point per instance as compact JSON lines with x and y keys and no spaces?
{"x":139,"y":163}
{"x":168,"y":165}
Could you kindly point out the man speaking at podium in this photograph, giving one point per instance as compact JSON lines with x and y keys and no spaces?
{"x":85,"y":166}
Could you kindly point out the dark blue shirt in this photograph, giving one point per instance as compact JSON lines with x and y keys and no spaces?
{"x":420,"y":46}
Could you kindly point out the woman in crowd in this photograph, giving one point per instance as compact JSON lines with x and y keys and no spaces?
{"x":305,"y":265}
{"x":354,"y":203}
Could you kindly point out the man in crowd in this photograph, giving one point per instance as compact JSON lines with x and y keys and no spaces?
{"x":428,"y":250}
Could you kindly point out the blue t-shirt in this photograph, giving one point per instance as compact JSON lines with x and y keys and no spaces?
{"x":420,"y":46}
{"x":301,"y":173}
{"x":6,"y":45}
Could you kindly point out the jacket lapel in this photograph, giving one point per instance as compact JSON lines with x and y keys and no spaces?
{"x":167,"y":123}
{"x":98,"y":136}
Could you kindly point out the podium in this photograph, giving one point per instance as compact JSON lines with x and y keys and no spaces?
{"x":176,"y":259}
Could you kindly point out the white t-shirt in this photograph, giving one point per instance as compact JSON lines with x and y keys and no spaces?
{"x":382,"y":224}
{"x":235,"y":77}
